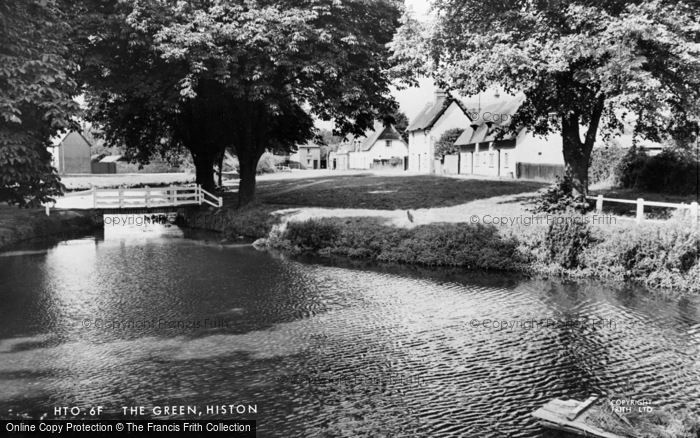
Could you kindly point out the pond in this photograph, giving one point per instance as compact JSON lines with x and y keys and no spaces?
{"x":324,"y":349}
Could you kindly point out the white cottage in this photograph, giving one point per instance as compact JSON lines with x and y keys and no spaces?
{"x":522,"y":155}
{"x":444,"y":113}
{"x":381,"y":148}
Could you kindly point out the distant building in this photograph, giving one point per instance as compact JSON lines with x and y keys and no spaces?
{"x":522,"y":155}
{"x":381,"y":148}
{"x":444,"y":113}
{"x":308,"y":155}
{"x":71,"y":153}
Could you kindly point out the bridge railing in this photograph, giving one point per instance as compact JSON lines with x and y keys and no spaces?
{"x":146,"y":197}
{"x":152,"y":197}
{"x":206,"y":197}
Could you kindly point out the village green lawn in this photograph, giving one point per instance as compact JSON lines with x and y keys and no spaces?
{"x":382,"y":192}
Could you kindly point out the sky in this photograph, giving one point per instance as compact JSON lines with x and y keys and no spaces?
{"x":412,"y":100}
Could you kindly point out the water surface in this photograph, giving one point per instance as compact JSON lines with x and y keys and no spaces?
{"x":322,"y":349}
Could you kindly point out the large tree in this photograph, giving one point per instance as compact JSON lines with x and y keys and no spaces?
{"x":36,"y":90}
{"x":249,"y":75}
{"x":583,"y":65}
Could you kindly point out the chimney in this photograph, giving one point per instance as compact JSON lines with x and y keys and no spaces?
{"x":440,"y":93}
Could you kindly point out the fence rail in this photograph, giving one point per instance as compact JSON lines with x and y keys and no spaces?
{"x":641,"y":203}
{"x":148,"y":197}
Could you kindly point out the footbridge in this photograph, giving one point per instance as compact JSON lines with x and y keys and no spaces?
{"x":149,"y":198}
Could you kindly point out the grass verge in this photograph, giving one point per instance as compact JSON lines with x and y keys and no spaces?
{"x":659,"y":423}
{"x":464,"y":245}
{"x":658,"y":256}
{"x":18,"y":224}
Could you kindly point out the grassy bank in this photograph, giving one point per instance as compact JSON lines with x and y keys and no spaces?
{"x":249,"y":223}
{"x":659,"y":256}
{"x":17,"y":224}
{"x":659,"y":423}
{"x":435,"y":231}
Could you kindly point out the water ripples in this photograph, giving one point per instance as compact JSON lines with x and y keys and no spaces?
{"x":333,"y":350}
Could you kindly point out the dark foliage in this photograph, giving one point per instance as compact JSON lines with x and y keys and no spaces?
{"x":558,"y":198}
{"x":567,"y":237}
{"x":669,"y":172}
{"x":464,"y":245}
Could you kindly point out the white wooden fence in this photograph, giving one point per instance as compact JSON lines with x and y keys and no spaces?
{"x":641,"y":203}
{"x":147,"y":197}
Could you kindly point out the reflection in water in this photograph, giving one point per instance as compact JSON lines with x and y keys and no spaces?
{"x":341,"y":350}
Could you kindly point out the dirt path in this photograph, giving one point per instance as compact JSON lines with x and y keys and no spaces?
{"x":485,"y":210}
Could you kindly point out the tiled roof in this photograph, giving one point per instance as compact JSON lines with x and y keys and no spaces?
{"x":499,"y":113}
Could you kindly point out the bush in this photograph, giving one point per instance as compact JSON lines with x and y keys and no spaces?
{"x":465,"y":245}
{"x":567,"y":238}
{"x":604,"y":163}
{"x":446,"y":144}
{"x":252,"y":221}
{"x":396,"y":161}
{"x":629,"y":168}
{"x":557,"y":198}
{"x":669,"y":172}
{"x":659,"y":256}
{"x":266,"y":164}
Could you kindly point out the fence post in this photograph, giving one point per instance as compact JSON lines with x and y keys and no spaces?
{"x":47,"y":209}
{"x":200,"y":193}
{"x":121,"y":196}
{"x":640,"y":210}
{"x":94,"y":197}
{"x":599,"y":204}
{"x":694,"y":213}
{"x":148,"y":197}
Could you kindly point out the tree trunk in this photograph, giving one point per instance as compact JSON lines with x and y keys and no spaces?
{"x":246,"y":189}
{"x":221,"y":168}
{"x":204,"y":166}
{"x":577,"y":153}
{"x":575,"y":158}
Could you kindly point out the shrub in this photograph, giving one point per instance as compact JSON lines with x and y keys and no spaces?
{"x":252,"y":221}
{"x":465,"y":245}
{"x":629,"y":168}
{"x":557,"y":198}
{"x":567,"y":238}
{"x":396,"y":161}
{"x":266,"y":164}
{"x":446,"y":144}
{"x":659,"y":256}
{"x":669,"y":172}
{"x":312,"y":235}
{"x":604,"y":162}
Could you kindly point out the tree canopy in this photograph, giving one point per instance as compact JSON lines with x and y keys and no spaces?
{"x":37,"y":86}
{"x":446,"y":143}
{"x":584,"y":66}
{"x":249,"y":75}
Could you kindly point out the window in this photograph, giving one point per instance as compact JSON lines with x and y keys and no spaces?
{"x":388,"y":143}
{"x":505,"y":159}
